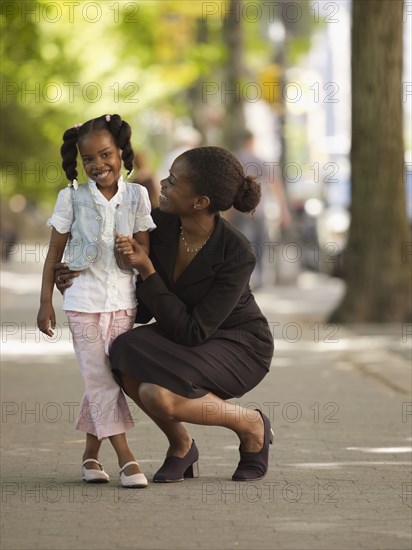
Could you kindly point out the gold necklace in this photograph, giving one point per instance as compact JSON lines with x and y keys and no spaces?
{"x":188,"y":249}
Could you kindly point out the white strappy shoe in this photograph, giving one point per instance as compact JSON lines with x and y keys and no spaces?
{"x":134,"y":481}
{"x":94,"y":476}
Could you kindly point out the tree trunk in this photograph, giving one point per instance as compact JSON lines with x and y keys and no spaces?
{"x":195,"y":92}
{"x":231,"y":86}
{"x":377,"y":261}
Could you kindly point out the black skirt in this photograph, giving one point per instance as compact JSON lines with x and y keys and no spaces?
{"x":222,"y":365}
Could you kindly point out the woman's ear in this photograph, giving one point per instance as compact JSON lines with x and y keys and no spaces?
{"x":202,"y":203}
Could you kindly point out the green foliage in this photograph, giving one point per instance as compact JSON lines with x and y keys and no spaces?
{"x":62,"y":65}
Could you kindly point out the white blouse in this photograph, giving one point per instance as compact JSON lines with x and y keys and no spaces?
{"x":102,"y":287}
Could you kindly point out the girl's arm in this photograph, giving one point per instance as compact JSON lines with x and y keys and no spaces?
{"x":46,"y":317}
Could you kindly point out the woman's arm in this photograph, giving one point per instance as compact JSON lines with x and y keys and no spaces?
{"x":46,"y":317}
{"x":185,"y":327}
{"x":143,"y":239}
{"x":192,"y":328}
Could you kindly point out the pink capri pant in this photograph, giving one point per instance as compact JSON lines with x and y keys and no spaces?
{"x":103,"y":410}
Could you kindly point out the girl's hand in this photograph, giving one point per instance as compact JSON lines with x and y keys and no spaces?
{"x":133,"y":255}
{"x":128,"y":251}
{"x":122,"y":251}
{"x":46,"y":319}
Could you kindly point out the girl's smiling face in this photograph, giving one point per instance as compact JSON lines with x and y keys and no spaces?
{"x":102,"y":160}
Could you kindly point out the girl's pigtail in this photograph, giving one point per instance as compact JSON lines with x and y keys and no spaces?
{"x":69,"y":153}
{"x":122,"y":133}
{"x":127,"y":151}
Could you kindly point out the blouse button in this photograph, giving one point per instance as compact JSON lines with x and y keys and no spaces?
{"x":95,"y":238}
{"x":98,"y":218}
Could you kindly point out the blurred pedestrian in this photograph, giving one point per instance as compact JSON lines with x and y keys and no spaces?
{"x":273,"y":208}
{"x":143,"y":175}
{"x":8,"y":239}
{"x":184,"y":138}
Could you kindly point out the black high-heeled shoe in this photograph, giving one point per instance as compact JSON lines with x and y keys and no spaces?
{"x":175,"y":468}
{"x":253,"y":466}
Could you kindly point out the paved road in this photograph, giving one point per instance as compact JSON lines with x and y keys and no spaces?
{"x":340,"y":478}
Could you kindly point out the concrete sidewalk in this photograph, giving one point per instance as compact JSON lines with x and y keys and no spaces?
{"x":340,"y":405}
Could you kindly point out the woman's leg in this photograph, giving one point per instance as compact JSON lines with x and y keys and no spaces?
{"x":169,"y":410}
{"x":208,"y":410}
{"x":175,"y":431}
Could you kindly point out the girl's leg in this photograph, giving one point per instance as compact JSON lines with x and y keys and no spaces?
{"x":92,"y":451}
{"x":122,"y":322}
{"x":120,"y":445}
{"x":209,"y":410}
{"x":124,"y":454}
{"x":104,"y":411}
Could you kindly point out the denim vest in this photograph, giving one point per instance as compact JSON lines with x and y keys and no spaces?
{"x":84,"y":246}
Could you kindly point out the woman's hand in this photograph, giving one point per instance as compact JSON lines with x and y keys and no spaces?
{"x":63,"y":276}
{"x":122,"y":259}
{"x":46,"y":319}
{"x":133,"y":255}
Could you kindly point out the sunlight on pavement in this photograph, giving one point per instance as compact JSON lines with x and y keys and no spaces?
{"x":17,"y":340}
{"x":20,"y":283}
{"x":336,"y":465}
{"x":382,"y":450}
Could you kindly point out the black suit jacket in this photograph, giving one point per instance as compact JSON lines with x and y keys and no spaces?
{"x":212,"y":297}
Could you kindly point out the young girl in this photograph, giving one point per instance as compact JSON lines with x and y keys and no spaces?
{"x":101,"y":302}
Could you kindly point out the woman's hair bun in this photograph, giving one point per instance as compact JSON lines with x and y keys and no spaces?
{"x":248,"y":196}
{"x":217,"y":173}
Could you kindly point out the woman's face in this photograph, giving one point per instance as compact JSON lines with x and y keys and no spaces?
{"x":102,"y":160}
{"x":176,"y":193}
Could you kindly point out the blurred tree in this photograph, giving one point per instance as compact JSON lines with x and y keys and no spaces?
{"x":64,"y":69}
{"x":195,"y":92}
{"x":232,"y":81}
{"x":377,"y":261}
{"x":32,"y":70}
